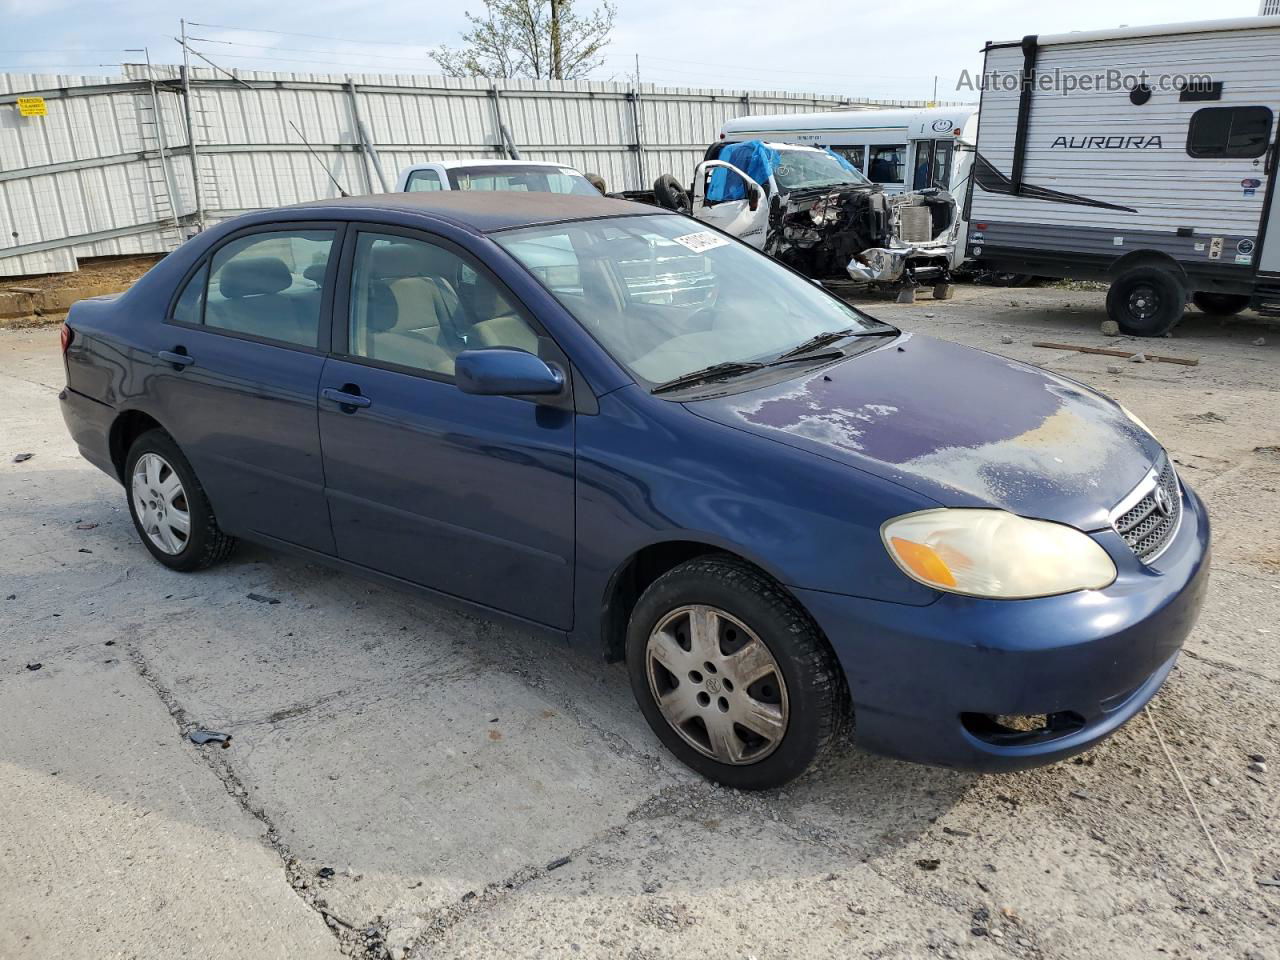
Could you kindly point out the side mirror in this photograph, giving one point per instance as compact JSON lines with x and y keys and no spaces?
{"x":505,"y":372}
{"x":753,"y":198}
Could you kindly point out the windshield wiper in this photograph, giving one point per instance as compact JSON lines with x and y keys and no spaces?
{"x":832,"y":336}
{"x":717,"y":371}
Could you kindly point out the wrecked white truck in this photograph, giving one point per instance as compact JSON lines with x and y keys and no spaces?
{"x":812,"y":210}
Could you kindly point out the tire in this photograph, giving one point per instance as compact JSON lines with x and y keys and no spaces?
{"x":1220,"y":304}
{"x":1146,"y":301}
{"x":162,"y":489}
{"x":796,"y":691}
{"x":668,"y":192}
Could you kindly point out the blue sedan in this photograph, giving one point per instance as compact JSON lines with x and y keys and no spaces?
{"x":613,"y":424}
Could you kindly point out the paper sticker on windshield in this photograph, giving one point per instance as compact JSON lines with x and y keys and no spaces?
{"x":700,"y":242}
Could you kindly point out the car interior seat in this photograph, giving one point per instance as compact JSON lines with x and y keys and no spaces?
{"x":253,"y":301}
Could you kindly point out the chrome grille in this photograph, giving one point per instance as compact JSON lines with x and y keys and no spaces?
{"x":1148,"y":525}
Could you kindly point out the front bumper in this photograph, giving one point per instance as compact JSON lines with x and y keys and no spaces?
{"x":919,"y":676}
{"x":887,"y":264}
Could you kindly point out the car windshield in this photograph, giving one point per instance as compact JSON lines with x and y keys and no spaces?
{"x":801,"y":169}
{"x":667,"y":297}
{"x":524,"y":178}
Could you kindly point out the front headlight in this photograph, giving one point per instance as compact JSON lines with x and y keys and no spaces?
{"x":991,"y":553}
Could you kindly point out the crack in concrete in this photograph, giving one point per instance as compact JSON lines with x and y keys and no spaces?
{"x":359,"y":940}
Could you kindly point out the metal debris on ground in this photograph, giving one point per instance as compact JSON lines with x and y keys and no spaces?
{"x":23,"y":457}
{"x":325,"y":873}
{"x":557,"y":863}
{"x":34,"y":666}
{"x":1123,"y":354}
{"x":201,"y":737}
{"x":259,"y":598}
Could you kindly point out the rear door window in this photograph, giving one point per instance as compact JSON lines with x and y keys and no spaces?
{"x":267,"y":285}
{"x":1224,"y":132}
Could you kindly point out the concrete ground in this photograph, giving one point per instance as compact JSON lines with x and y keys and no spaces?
{"x":405,"y":780}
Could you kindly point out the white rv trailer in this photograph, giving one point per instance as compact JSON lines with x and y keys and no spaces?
{"x":899,"y":149}
{"x":1143,"y":156}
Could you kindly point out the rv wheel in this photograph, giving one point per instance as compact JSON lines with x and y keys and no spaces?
{"x":1146,"y":301}
{"x":1220,"y":304}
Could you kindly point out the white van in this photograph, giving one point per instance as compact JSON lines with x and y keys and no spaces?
{"x":901,"y":150}
{"x":898,"y":149}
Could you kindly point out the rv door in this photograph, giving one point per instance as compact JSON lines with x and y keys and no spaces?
{"x":746,"y":219}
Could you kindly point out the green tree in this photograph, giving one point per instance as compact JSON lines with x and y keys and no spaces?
{"x":542,"y":39}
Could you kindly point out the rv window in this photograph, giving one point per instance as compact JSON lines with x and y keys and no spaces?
{"x":885,"y":163}
{"x":854,"y":155}
{"x":1229,"y":132}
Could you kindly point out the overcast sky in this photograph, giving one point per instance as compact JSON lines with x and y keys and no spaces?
{"x":887,"y":49}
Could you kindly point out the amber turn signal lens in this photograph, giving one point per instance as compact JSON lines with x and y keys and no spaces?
{"x":924,"y":562}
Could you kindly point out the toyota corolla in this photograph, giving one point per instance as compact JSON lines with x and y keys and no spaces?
{"x":628,"y":430}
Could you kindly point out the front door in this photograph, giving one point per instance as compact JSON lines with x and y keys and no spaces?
{"x":745,"y":217}
{"x":469,"y":495}
{"x":234,"y":373}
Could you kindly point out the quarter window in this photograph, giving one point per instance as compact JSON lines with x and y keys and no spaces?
{"x":421,"y":180}
{"x":885,"y":163}
{"x":1221,"y":132}
{"x":265,"y":285}
{"x":190,"y":306}
{"x":419,"y":305}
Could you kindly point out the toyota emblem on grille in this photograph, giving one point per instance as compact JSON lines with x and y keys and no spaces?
{"x":1163,"y":504}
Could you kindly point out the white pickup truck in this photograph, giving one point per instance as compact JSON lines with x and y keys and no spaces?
{"x":815,"y":212}
{"x":522,"y":175}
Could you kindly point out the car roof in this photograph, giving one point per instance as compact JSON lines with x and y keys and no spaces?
{"x":456,"y":164}
{"x":482,"y":211}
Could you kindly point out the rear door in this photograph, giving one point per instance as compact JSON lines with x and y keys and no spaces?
{"x":235,"y":374}
{"x":469,"y":495}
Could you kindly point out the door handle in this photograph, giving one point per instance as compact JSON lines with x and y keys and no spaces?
{"x":178,"y":360}
{"x":344,"y":399}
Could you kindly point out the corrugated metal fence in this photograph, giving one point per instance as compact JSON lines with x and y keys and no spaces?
{"x":109,"y":170}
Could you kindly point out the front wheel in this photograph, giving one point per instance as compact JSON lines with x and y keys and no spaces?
{"x":1146,"y":301}
{"x":733,"y":675}
{"x":169,"y":508}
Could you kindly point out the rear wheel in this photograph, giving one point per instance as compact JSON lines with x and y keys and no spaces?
{"x":1146,"y":301}
{"x":169,"y":508}
{"x":1220,"y":304}
{"x":733,"y":675}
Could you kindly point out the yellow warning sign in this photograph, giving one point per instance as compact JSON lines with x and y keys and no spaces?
{"x":32,"y":107}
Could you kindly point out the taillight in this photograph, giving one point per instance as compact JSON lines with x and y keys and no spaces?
{"x":68,"y":335}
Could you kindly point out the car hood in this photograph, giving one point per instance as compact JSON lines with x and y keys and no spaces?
{"x":961,"y":426}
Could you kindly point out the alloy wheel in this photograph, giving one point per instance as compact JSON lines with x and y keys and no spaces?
{"x":160,"y":503}
{"x":717,"y":684}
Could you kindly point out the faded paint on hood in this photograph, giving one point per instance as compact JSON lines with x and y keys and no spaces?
{"x":961,"y":426}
